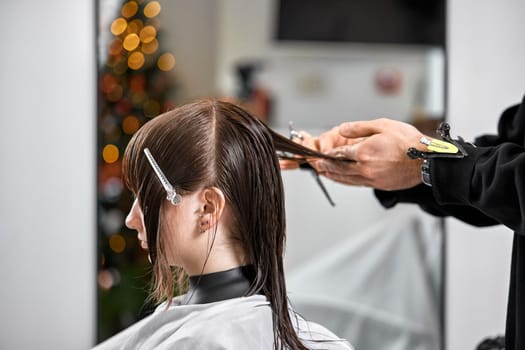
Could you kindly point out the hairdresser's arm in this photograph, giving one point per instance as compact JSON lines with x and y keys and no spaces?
{"x":483,"y":188}
{"x":379,"y":150}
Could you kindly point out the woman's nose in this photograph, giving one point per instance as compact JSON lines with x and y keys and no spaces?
{"x":134,"y":216}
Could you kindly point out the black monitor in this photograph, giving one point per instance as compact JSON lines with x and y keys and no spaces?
{"x":417,"y":22}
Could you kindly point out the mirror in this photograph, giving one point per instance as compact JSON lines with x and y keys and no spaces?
{"x":371,"y":275}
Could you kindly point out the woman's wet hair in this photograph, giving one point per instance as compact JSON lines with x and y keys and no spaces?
{"x":214,"y":143}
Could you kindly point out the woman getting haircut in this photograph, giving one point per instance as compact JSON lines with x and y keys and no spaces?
{"x":209,"y":209}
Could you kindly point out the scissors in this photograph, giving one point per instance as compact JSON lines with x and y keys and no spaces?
{"x":308,"y":167}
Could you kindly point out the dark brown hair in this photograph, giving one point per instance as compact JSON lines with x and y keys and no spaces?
{"x":215,"y":143}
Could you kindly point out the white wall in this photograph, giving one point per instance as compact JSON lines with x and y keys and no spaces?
{"x":47,"y":177}
{"x":486,"y":55}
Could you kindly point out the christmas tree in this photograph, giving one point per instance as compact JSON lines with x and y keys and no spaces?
{"x":135,"y":85}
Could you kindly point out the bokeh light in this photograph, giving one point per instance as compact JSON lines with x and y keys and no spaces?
{"x":110,"y":153}
{"x":166,"y":62}
{"x":137,"y":98}
{"x":147,"y":34}
{"x":136,"y":60}
{"x":120,"y":67}
{"x":115,"y":94}
{"x":135,"y":26}
{"x":137,"y":83}
{"x":108,"y":278}
{"x":119,"y":26}
{"x":155,"y":22}
{"x":112,"y":220}
{"x":151,"y":108}
{"x":151,"y":47}
{"x":131,"y":42}
{"x":129,"y":9}
{"x":130,"y":124}
{"x":117,"y":243}
{"x":108,"y":83}
{"x":115,"y":47}
{"x":152,"y":9}
{"x":112,"y":189}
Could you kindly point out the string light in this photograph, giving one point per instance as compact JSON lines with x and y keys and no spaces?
{"x":135,"y":26}
{"x":151,"y":108}
{"x":105,"y":279}
{"x":166,"y":62}
{"x":130,"y":124}
{"x":129,"y":9}
{"x":107,"y":83}
{"x":152,"y":9}
{"x":131,"y":42}
{"x":120,"y":67}
{"x":151,"y":47}
{"x":136,"y":60}
{"x":117,"y":243}
{"x":138,"y":98}
{"x":137,"y":83}
{"x":119,"y":26}
{"x":115,"y":48}
{"x":110,"y":153}
{"x":115,"y":94}
{"x":147,"y":34}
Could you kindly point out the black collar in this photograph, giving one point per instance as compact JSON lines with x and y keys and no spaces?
{"x":220,"y":285}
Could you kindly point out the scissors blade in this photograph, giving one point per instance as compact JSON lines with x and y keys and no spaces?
{"x":315,"y":174}
{"x":323,"y":188}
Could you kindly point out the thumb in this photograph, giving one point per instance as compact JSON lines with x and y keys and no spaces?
{"x":362,"y":128}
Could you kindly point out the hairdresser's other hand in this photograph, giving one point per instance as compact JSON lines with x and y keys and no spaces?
{"x":378,"y":149}
{"x":306,"y":140}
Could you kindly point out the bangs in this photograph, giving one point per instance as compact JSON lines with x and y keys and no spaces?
{"x":132,"y":161}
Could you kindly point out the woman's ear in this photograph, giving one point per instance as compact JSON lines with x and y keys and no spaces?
{"x":213,"y":206}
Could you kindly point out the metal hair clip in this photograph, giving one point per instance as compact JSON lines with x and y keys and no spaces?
{"x":171,"y":194}
{"x":307,"y":166}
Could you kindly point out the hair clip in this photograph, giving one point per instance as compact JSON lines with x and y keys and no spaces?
{"x":171,"y":194}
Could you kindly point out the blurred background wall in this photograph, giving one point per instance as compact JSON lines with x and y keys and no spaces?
{"x":47,"y":175}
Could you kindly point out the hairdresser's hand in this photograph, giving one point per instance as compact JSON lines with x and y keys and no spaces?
{"x":307,"y":140}
{"x":379,"y":150}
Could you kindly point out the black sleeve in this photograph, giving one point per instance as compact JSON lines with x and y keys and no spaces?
{"x":490,"y":179}
{"x":485,"y":188}
{"x":422,"y":196}
{"x":511,"y":128}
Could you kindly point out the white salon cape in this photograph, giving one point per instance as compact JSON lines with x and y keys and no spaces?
{"x":239,"y":323}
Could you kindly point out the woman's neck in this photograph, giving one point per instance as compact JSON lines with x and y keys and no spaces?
{"x":223,"y":256}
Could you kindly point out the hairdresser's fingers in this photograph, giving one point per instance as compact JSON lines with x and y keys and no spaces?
{"x":288,"y":164}
{"x":365,"y":128}
{"x":337,"y":167}
{"x":331,"y":139}
{"x":349,"y":151}
{"x":307,"y":140}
